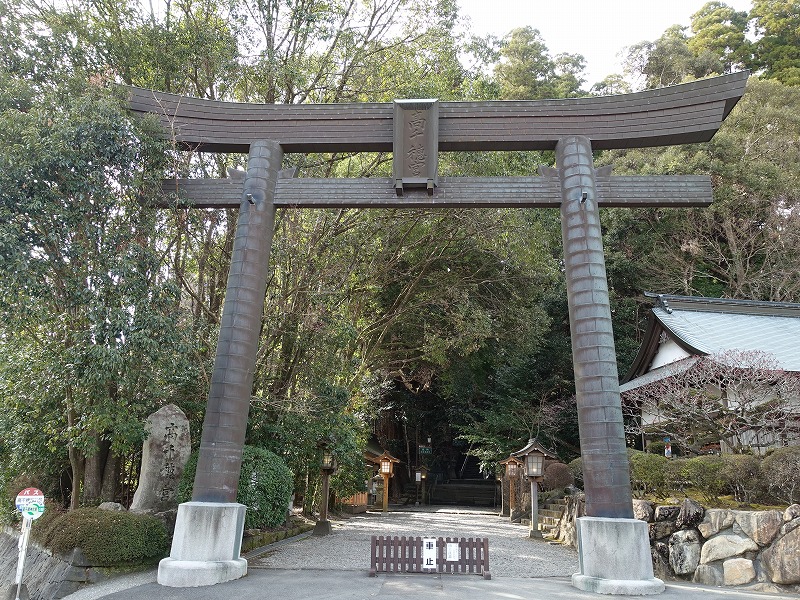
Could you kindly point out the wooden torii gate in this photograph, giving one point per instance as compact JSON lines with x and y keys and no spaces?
{"x":614,"y":548}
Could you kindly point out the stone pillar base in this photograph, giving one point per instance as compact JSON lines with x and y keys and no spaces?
{"x":614,"y":557}
{"x":206,"y":546}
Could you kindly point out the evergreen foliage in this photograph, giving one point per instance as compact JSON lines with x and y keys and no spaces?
{"x":265,"y":487}
{"x":780,"y":470}
{"x":649,"y":474}
{"x":106,"y":538}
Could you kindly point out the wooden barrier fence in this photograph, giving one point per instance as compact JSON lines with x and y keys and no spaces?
{"x":405,"y":555}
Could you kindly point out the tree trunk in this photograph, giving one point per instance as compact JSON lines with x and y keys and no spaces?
{"x":76,"y":461}
{"x":108,"y":490}
{"x":93,"y":472}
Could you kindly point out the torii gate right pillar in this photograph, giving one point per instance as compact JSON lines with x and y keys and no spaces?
{"x":613,"y":547}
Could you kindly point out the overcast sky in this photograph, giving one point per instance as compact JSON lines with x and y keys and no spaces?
{"x":597,"y":29}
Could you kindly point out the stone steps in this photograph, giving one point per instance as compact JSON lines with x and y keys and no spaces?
{"x":550,"y":514}
{"x":477,"y":492}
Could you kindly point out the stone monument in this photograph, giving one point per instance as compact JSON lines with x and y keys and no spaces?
{"x":164,"y":456}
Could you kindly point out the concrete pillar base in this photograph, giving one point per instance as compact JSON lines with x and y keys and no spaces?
{"x":614,"y":557}
{"x":206,"y":546}
{"x":197,"y":573}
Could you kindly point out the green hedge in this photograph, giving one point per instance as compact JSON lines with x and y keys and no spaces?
{"x":265,"y":487}
{"x":650,"y":474}
{"x":705,"y":473}
{"x":107,"y":538}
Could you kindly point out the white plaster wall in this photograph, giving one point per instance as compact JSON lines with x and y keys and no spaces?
{"x":668,"y":352}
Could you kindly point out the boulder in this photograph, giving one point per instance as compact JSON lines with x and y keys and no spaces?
{"x":726,"y":546}
{"x":781,"y":561}
{"x":714,"y":521}
{"x":709,"y":575}
{"x":684,"y":551}
{"x":168,"y":518}
{"x":690,"y":514}
{"x":790,"y":526}
{"x":661,"y":567}
{"x":667,"y":513}
{"x":112,"y":506}
{"x":643,"y":510}
{"x":164,"y":455}
{"x":738,"y":571}
{"x":760,"y":526}
{"x":661,"y":530}
{"x":662,"y":549}
{"x":790,"y":513}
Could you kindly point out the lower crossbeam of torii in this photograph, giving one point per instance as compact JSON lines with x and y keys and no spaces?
{"x":613,"y":546}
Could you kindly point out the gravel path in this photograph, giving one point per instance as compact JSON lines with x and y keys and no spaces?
{"x":511,"y":552}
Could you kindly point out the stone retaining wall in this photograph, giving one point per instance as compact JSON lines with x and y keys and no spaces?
{"x":254,"y":538}
{"x":759,"y":550}
{"x":45,"y":575}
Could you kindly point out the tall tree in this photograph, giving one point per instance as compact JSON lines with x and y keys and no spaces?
{"x":666,"y":61}
{"x":744,"y":245}
{"x":526,"y":70}
{"x":718,"y":38}
{"x":777,"y":51}
{"x":89,"y":324}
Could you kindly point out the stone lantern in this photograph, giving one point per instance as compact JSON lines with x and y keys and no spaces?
{"x":534,"y":454}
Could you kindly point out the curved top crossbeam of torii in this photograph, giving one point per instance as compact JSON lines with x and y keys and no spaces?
{"x":680,"y":114}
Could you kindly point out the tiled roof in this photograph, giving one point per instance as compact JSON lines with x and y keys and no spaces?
{"x":659,"y":374}
{"x":714,"y":325}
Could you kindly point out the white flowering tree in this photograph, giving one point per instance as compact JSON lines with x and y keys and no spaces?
{"x":742,"y":400}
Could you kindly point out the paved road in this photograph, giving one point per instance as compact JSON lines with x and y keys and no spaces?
{"x":335,"y":568}
{"x":511,"y":552}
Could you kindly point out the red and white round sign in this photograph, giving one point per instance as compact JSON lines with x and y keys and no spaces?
{"x":30,"y":502}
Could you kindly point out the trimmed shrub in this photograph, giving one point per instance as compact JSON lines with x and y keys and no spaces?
{"x":742,"y":474}
{"x":107,"y":538}
{"x":265,"y":487}
{"x":557,"y":476}
{"x":576,"y":469}
{"x":705,"y":474}
{"x":781,"y":470}
{"x":650,"y":474}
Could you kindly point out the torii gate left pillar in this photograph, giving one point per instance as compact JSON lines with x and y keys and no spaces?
{"x":208,"y":532}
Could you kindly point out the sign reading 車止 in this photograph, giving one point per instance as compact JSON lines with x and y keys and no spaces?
{"x":429,"y":553}
{"x":30,"y":502}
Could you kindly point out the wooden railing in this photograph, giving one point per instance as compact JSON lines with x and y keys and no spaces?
{"x":355,"y":500}
{"x":450,"y":555}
